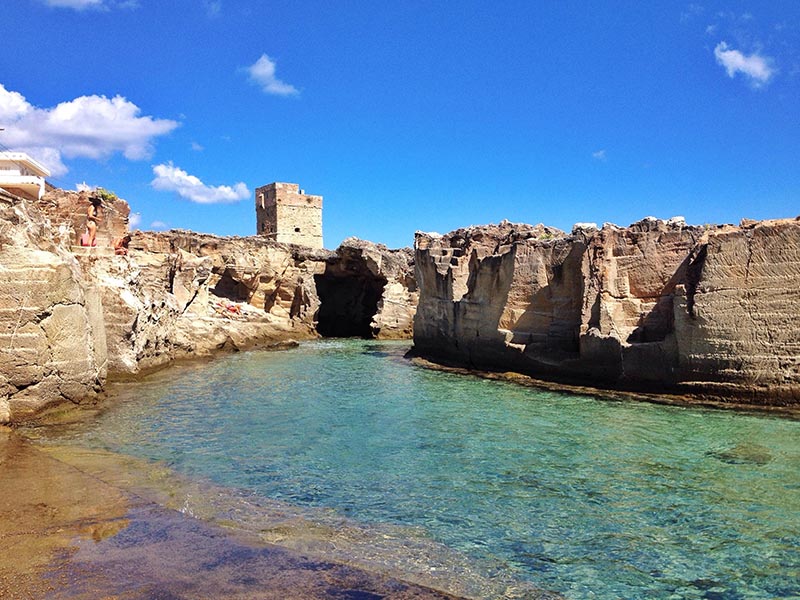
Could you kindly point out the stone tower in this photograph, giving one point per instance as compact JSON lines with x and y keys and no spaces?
{"x":286,"y":214}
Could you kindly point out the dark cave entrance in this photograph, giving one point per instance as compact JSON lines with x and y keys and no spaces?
{"x":348,"y":301}
{"x":228,"y":287}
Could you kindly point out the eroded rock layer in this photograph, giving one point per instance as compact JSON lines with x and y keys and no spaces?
{"x":658,"y":306}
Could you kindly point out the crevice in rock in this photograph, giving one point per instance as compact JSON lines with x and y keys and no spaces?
{"x":657,"y":324}
{"x":694,"y":271}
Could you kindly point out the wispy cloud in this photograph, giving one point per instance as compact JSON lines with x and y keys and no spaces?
{"x":262,"y":73}
{"x":87,"y":127}
{"x":758,"y":69}
{"x":213,"y":8}
{"x":134,"y":219}
{"x":92,"y":4}
{"x":599,"y":155}
{"x":170,"y":178}
{"x":691,"y":11}
{"x":75,"y":4}
{"x":159,"y":225}
{"x":197,"y":147}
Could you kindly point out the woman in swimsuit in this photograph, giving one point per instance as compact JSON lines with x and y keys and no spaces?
{"x":92,"y":219}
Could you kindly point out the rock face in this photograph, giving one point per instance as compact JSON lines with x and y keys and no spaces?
{"x":367,"y":290}
{"x":71,"y":316}
{"x":52,"y":338}
{"x":736,"y":315}
{"x":657,"y":306}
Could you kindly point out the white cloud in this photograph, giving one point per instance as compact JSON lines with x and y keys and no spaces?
{"x":84,"y":187}
{"x":170,"y":178}
{"x":599,"y":155}
{"x":197,"y":147}
{"x":758,"y":68}
{"x":134,"y":219}
{"x":76,"y":4}
{"x":81,"y":5}
{"x":12,"y":105}
{"x":262,"y":72}
{"x":159,"y":225}
{"x":88,"y":127}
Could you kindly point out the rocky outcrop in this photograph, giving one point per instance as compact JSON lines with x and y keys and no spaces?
{"x":736,"y":313}
{"x":52,"y":338}
{"x":71,"y":316}
{"x":66,"y":211}
{"x":181,"y":294}
{"x":658,"y":306}
{"x":367,"y":290}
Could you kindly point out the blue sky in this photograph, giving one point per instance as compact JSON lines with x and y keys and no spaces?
{"x":413,"y":115}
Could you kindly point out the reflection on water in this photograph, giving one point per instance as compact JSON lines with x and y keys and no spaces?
{"x":591,"y":498}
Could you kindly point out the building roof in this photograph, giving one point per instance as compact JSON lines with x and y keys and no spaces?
{"x":23,"y":159}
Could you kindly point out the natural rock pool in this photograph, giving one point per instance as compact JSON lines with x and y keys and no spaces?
{"x":343,"y":447}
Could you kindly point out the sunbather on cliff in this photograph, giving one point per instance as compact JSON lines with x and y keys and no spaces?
{"x":121,"y":245}
{"x":92,"y":219}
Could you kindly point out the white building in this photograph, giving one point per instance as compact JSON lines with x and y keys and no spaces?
{"x":22,"y":175}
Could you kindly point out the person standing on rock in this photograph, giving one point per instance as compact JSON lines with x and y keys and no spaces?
{"x":92,"y":220}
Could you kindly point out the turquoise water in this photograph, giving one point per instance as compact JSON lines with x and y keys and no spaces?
{"x":591,"y":498}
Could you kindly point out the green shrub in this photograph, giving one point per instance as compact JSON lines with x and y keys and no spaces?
{"x":105,"y":195}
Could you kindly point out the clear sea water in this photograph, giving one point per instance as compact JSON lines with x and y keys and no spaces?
{"x":591,"y":498}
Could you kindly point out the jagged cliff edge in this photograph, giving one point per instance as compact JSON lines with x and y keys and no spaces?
{"x":658,"y":306}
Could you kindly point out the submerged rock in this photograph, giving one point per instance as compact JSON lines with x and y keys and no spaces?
{"x":744,"y":454}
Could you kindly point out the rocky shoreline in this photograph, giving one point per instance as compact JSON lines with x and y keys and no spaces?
{"x":71,"y":318}
{"x":659,"y":307}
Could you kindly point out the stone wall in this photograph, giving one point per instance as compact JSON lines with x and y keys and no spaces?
{"x":658,"y":306}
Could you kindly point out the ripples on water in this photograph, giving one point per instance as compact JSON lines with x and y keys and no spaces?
{"x":591,"y":498}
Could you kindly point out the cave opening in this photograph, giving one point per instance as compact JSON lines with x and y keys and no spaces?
{"x":227,"y":287}
{"x":348,"y":303}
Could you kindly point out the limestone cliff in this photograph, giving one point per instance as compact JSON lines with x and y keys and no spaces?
{"x":71,"y":316}
{"x":658,"y":306}
{"x":52,"y":338}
